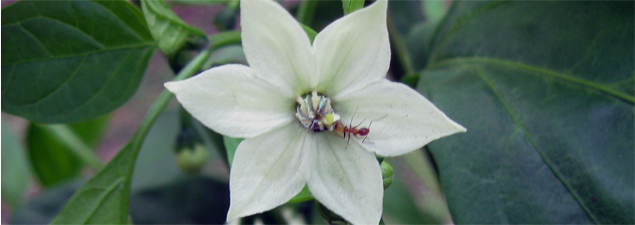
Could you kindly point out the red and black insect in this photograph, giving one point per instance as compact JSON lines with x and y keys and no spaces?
{"x":340,"y":128}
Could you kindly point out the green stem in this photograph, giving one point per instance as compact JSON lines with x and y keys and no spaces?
{"x":75,"y":144}
{"x":193,"y":67}
{"x":306,"y":12}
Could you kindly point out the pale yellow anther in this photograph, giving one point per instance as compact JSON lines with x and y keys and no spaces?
{"x":299,"y":100}
{"x":316,"y":113}
{"x":315,"y":99}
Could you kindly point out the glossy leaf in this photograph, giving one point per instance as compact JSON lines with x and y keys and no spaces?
{"x":168,"y":30}
{"x":104,"y":198}
{"x":68,"y":61}
{"x":53,"y":159}
{"x":545,"y":90}
{"x":15,"y":169}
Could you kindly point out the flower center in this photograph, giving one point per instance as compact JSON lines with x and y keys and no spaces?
{"x":316,"y":113}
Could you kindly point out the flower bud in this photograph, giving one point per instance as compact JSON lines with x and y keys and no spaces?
{"x":386,"y":173}
{"x":191,"y":160}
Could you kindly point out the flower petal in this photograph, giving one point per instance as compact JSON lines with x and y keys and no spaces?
{"x":347,"y":180}
{"x":231,"y":100}
{"x":275,"y":45}
{"x":402,"y":119}
{"x":268,"y":170}
{"x":353,"y":51}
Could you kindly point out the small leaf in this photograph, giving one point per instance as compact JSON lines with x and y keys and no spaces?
{"x":167,"y":29}
{"x":68,"y":61}
{"x":540,"y":88}
{"x":310,"y":32}
{"x":350,"y":6}
{"x":231,"y":144}
{"x":15,"y":169}
{"x":303,"y":196}
{"x":53,"y":160}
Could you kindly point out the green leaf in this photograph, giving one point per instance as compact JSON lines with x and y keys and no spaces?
{"x":419,"y":35}
{"x":405,"y":14}
{"x":545,"y":90}
{"x":199,"y":2}
{"x":310,"y":32}
{"x":303,"y":196}
{"x":68,"y":61}
{"x":434,"y":10}
{"x":53,"y":152}
{"x":104,"y":198}
{"x":168,"y":30}
{"x":231,"y":144}
{"x":350,"y":6}
{"x":15,"y":169}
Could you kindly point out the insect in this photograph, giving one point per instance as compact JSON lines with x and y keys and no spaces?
{"x":340,"y":128}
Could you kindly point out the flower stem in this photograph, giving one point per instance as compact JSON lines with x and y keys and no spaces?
{"x":193,"y":67}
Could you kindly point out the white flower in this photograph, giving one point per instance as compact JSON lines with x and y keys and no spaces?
{"x":347,"y":64}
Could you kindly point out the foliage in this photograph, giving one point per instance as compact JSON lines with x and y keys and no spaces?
{"x":545,"y":89}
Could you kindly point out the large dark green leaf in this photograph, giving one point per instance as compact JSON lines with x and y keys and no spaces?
{"x":67,"y":61}
{"x":168,"y":30}
{"x":104,"y":198}
{"x":545,"y":90}
{"x":53,"y":158}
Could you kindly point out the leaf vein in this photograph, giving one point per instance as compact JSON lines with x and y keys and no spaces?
{"x":481,"y":74}
{"x":540,"y":72}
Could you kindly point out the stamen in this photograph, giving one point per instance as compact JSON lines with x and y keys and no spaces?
{"x":316,"y":113}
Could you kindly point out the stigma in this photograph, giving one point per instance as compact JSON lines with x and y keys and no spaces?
{"x":315,"y":112}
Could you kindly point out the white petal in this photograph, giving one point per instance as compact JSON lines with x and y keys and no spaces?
{"x":347,"y":180}
{"x":275,"y":45}
{"x":231,"y":100}
{"x":402,"y":119}
{"x":268,"y":170}
{"x":354,"y":50}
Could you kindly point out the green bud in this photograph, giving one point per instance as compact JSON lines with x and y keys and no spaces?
{"x":386,"y":173}
{"x":192,"y":160}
